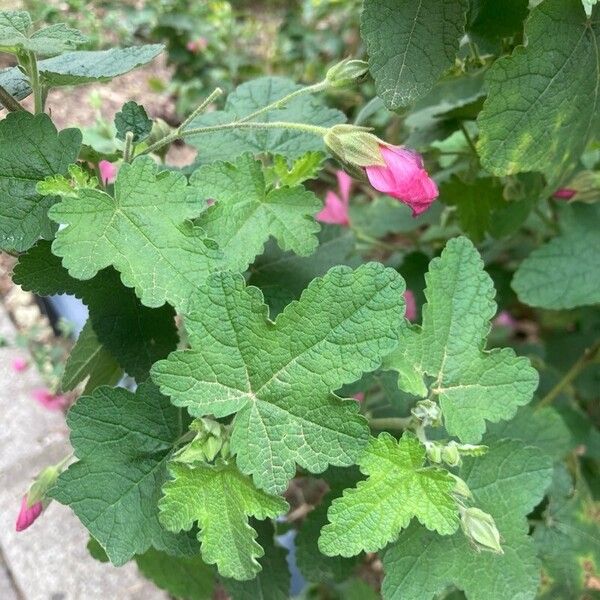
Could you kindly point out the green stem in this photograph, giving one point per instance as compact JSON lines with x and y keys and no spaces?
{"x":34,"y":80}
{"x":394,"y":423}
{"x":213,"y":96}
{"x":309,"y":89}
{"x":371,"y":240}
{"x":468,"y":138}
{"x":589,"y":356}
{"x":316,"y":130}
{"x":545,"y":219}
{"x":7,"y":100}
{"x":128,"y":151}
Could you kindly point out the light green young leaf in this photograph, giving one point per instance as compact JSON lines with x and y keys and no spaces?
{"x":123,"y":442}
{"x":59,"y":185}
{"x":472,"y":385}
{"x":303,"y":168}
{"x":273,"y":581}
{"x":144,"y":232}
{"x":30,"y":149}
{"x":133,"y":118}
{"x":246,"y":213}
{"x":220,"y":499}
{"x":136,"y":336}
{"x":507,"y":482}
{"x":278,"y":377}
{"x":568,"y":539}
{"x":542,"y":104}
{"x":565,"y":272}
{"x":410,"y":45}
{"x":90,"y":360}
{"x":183,"y":577}
{"x":399,"y":487}
{"x":250,"y":97}
{"x":16,"y":35}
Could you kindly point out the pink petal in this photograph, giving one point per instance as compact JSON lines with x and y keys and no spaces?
{"x":360,"y":396}
{"x":345,"y":185}
{"x":18,"y":364}
{"x":49,"y":400}
{"x":404,"y":178}
{"x":28,"y":514}
{"x":411,"y":305}
{"x":334,"y":211}
{"x":505,"y":319}
{"x":564,"y":193}
{"x":108,"y":171}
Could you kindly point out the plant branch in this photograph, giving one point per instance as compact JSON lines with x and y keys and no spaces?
{"x":468,"y":138}
{"x":34,"y":80}
{"x":198,"y":111}
{"x":8,"y":101}
{"x":394,"y":423}
{"x":128,"y":151}
{"x":588,"y":357}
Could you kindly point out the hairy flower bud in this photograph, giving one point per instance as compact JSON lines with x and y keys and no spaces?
{"x":451,"y":455}
{"x":354,"y":146}
{"x":346,"y":72}
{"x":481,"y":529}
{"x":428,"y":412}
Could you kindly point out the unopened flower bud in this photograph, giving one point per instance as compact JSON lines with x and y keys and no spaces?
{"x":34,"y":501}
{"x":434,"y":452}
{"x":346,"y":72}
{"x":354,"y":146}
{"x":451,"y":455}
{"x":428,"y":412}
{"x":481,"y":529}
{"x":460,"y":487}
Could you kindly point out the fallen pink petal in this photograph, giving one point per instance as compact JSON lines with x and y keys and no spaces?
{"x":411,"y":305}
{"x":108,"y":171}
{"x":335,"y":211}
{"x":49,"y":400}
{"x":404,"y":177}
{"x":19,"y":364}
{"x":28,"y":514}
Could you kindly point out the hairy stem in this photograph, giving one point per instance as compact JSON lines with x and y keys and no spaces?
{"x":34,"y":80}
{"x":198,"y":111}
{"x":468,"y":138}
{"x":128,"y":151}
{"x":394,"y":423}
{"x":588,"y":357}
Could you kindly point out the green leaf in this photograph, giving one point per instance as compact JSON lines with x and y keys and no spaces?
{"x":133,"y":118}
{"x":481,"y":207}
{"x":30,"y":149}
{"x":277,"y":377}
{"x":472,"y":385}
{"x":246,"y":213}
{"x":281,"y":276}
{"x":491,"y":21}
{"x":568,"y":539}
{"x":507,"y":482}
{"x":250,"y":97}
{"x":303,"y":168}
{"x":134,"y":335}
{"x":144,"y":232}
{"x":186,"y":578}
{"x":399,"y":487}
{"x":410,"y":45}
{"x":314,"y":566}
{"x":15,"y":83}
{"x":273,"y":581}
{"x":16,"y":35}
{"x":220,"y":499}
{"x":565,"y":272}
{"x":123,"y":442}
{"x":532,"y":119}
{"x":78,"y":68}
{"x":90,"y":360}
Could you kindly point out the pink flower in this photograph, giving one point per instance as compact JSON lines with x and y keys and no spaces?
{"x":19,"y":364}
{"x":411,"y":305}
{"x":28,"y":514}
{"x":404,"y":178}
{"x":360,"y":396}
{"x":49,"y":400}
{"x":505,"y":319}
{"x":564,"y":193}
{"x":197,"y":45}
{"x":335,"y":210}
{"x":108,"y":171}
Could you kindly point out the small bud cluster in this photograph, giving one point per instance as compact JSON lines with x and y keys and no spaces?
{"x":210,"y":440}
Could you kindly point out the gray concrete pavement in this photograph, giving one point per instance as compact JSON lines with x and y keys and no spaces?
{"x":48,"y":561}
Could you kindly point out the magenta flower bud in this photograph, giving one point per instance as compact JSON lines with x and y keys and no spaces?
{"x":49,"y":400}
{"x":564,"y":193}
{"x":19,"y":364}
{"x":28,"y":514}
{"x":336,"y":206}
{"x":108,"y":171}
{"x":411,"y":305}
{"x":403,"y":177}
